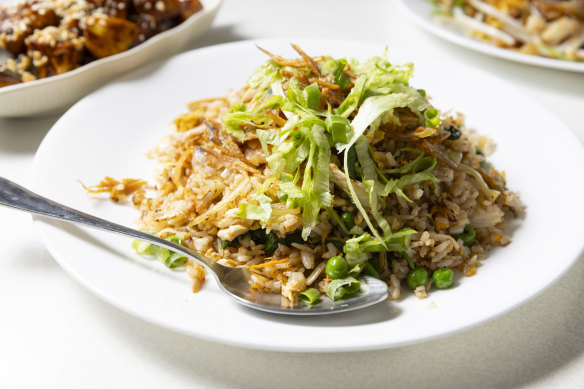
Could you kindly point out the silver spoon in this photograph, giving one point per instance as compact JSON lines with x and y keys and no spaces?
{"x":234,"y":281}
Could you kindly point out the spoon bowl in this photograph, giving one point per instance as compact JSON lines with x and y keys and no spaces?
{"x":234,"y":281}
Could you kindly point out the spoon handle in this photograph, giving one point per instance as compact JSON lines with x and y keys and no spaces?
{"x":15,"y":196}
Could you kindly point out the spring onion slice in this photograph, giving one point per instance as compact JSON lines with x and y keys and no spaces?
{"x":312,"y":94}
{"x":335,"y":216}
{"x":408,"y":259}
{"x":310,"y":295}
{"x":371,"y":270}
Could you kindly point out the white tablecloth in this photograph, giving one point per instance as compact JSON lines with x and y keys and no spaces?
{"x":56,"y":334}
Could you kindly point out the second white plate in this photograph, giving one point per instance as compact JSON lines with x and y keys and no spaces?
{"x":103,"y":135}
{"x":421,"y":12}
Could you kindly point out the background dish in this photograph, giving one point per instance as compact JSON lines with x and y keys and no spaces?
{"x":420,"y":11}
{"x":54,"y":93}
{"x":114,"y":144}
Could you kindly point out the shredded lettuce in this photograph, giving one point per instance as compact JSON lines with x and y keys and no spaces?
{"x":357,"y":249}
{"x":305,"y":143}
{"x":260,"y":81}
{"x":343,"y":287}
{"x":169,"y":258}
{"x":315,"y":185}
{"x":354,"y":254}
{"x":374,"y":187}
{"x":417,"y":164}
{"x":259,"y":93}
{"x":261,"y":212}
{"x":299,"y":153}
{"x":374,"y":198}
{"x":372,"y":108}
{"x":352,"y":100}
{"x":417,"y":171}
{"x":266,"y":138}
{"x":234,"y":121}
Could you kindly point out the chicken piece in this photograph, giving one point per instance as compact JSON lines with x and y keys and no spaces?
{"x":54,"y":51}
{"x":105,"y":36}
{"x":560,"y":30}
{"x":535,"y":24}
{"x":18,"y":21}
{"x":75,"y":13}
{"x":189,"y":7}
{"x":16,"y":70}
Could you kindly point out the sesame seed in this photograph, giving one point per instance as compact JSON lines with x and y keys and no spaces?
{"x":27,"y":77}
{"x":160,"y":6}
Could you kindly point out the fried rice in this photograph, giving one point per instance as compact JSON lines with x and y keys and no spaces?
{"x":263,"y":178}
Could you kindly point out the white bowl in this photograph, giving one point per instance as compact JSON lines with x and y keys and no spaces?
{"x":55,"y":93}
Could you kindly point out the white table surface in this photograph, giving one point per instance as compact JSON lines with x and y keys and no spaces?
{"x":56,"y":334}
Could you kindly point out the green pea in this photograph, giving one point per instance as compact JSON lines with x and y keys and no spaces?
{"x":443,"y":278}
{"x":341,"y":78}
{"x":349,"y":219}
{"x":310,"y":295}
{"x":417,"y":277}
{"x":336,"y":267}
{"x":468,"y":236}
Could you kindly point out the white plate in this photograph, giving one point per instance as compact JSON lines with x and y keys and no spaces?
{"x":420,"y":11}
{"x":101,"y":135}
{"x":53,"y":94}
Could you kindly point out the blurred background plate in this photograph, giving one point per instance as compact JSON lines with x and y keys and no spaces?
{"x":55,"y":93}
{"x":421,"y":12}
